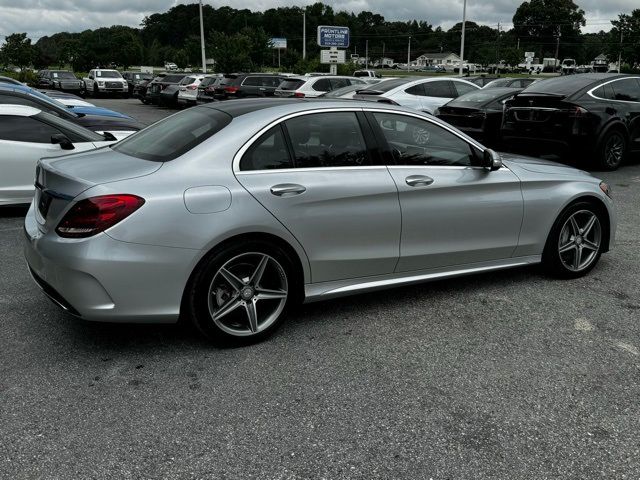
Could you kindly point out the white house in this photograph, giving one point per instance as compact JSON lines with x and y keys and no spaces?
{"x":440,"y":58}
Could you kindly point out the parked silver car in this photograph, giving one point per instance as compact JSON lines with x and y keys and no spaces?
{"x":229,"y":213}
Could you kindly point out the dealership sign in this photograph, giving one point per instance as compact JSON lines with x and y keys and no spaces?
{"x":333,"y":36}
{"x":278,"y":43}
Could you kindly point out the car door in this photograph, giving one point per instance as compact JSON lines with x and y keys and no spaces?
{"x":23,"y":141}
{"x":454,"y":212}
{"x":626,"y":92}
{"x":316,"y":174}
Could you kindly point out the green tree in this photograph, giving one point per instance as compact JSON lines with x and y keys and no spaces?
{"x":627,"y":28}
{"x":539,"y":22}
{"x":18,"y":50}
{"x":231,"y":52}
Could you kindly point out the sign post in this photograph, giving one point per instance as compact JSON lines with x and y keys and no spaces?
{"x":279,"y":43}
{"x":528,"y":57}
{"x":333,"y":37}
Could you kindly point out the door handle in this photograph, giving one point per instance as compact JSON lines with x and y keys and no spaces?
{"x":418,"y":180}
{"x":287,"y":189}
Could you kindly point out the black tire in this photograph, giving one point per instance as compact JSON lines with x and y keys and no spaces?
{"x":553,"y":261}
{"x":200,"y":296}
{"x":95,"y":90}
{"x":612,"y":150}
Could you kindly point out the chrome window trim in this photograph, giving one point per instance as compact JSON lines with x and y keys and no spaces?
{"x":590,"y":92}
{"x":309,"y":169}
{"x":239,"y":154}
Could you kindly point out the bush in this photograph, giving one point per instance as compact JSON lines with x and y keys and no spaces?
{"x":26,"y":76}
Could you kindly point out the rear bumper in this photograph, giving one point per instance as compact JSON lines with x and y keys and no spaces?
{"x":106,"y":280}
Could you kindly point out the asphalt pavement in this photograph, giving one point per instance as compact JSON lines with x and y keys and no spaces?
{"x":505,"y":375}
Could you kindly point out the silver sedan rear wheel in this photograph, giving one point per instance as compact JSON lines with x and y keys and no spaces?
{"x":579,"y":240}
{"x":248,"y":294}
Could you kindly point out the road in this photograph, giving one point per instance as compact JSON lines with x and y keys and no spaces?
{"x":508,"y":375}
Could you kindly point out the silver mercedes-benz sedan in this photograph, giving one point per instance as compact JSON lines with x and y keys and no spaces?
{"x":230,"y":213}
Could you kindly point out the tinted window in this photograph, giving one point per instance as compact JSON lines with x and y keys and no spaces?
{"x":419,"y":142}
{"x":339,"y":83}
{"x":387,"y":85}
{"x":76,"y":133}
{"x":322,"y":85}
{"x":271,"y":82}
{"x":208,"y":81}
{"x":327,"y":140}
{"x":187,"y":80}
{"x":626,"y":90}
{"x":291,"y":84}
{"x":415,"y":90}
{"x":268,"y":152}
{"x":25,"y":129}
{"x":438,"y":89}
{"x":175,"y":135}
{"x":252,"y":81}
{"x":463,"y":88}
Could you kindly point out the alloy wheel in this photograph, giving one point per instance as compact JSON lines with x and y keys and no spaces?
{"x":579,"y":241}
{"x":614,"y":150}
{"x":247,"y":294}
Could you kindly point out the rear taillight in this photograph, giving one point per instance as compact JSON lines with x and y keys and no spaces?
{"x":577,"y":112}
{"x":231,"y":89}
{"x":298,"y":94}
{"x":192,"y":87}
{"x":96,"y":214}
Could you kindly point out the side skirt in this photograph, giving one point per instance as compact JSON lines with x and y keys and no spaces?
{"x":322,"y":291}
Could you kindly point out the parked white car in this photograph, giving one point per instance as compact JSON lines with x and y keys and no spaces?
{"x":188,"y":90}
{"x":105,"y":81}
{"x":28,"y":134}
{"x":425,"y":94}
{"x":309,"y":87}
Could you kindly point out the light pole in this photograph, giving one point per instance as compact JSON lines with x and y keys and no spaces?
{"x":204,"y":57}
{"x":304,"y":34}
{"x":464,"y":22}
{"x":409,"y":53}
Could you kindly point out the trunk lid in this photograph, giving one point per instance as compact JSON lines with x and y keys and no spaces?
{"x":60,"y":180}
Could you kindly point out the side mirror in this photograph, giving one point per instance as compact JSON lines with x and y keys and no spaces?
{"x":62,"y":140}
{"x":108,"y":136}
{"x":491,"y":160}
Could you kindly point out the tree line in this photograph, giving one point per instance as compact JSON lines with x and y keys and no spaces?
{"x":239,"y":39}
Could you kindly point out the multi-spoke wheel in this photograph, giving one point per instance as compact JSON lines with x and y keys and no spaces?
{"x":612,"y":150}
{"x":575,"y":243}
{"x":241,"y":293}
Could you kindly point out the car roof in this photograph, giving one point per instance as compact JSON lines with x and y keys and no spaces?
{"x":241,"y":107}
{"x":18,"y":110}
{"x":568,"y":84}
{"x":15,"y":88}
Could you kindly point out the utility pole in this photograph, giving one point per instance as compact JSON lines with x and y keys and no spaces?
{"x":383,"y":50}
{"x":464,"y":22}
{"x":304,"y":34}
{"x":620,"y":53}
{"x":555,"y":59}
{"x":366,"y":54}
{"x":204,"y":57}
{"x":409,"y":53}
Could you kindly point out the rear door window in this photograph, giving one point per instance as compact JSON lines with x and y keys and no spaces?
{"x":322,"y":85}
{"x":252,"y":81}
{"x":339,"y":83}
{"x":327,"y":140}
{"x":463,"y":88}
{"x":268,"y":152}
{"x":415,"y":90}
{"x":439,"y":88}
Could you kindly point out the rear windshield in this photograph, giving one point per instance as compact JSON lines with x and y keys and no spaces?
{"x":187,"y":80}
{"x":208,"y":81}
{"x":143,"y":76}
{"x":175,"y":135}
{"x":172,"y":78}
{"x":481,"y":97}
{"x":387,"y":85}
{"x":291,"y":84}
{"x":565,"y":85}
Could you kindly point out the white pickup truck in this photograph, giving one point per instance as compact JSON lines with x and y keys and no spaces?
{"x":105,"y":81}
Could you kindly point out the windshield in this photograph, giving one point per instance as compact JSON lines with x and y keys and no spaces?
{"x":108,"y":74}
{"x":175,"y":135}
{"x":63,"y":75}
{"x":143,"y":76}
{"x":501,"y":82}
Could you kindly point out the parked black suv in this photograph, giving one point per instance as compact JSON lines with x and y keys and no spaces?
{"x":248,"y":85}
{"x":135,"y":78}
{"x":60,"y":80}
{"x":207,"y":89}
{"x":590,"y":116}
{"x":158,"y":84}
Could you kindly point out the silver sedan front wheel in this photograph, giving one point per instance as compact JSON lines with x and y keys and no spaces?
{"x":579,"y":241}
